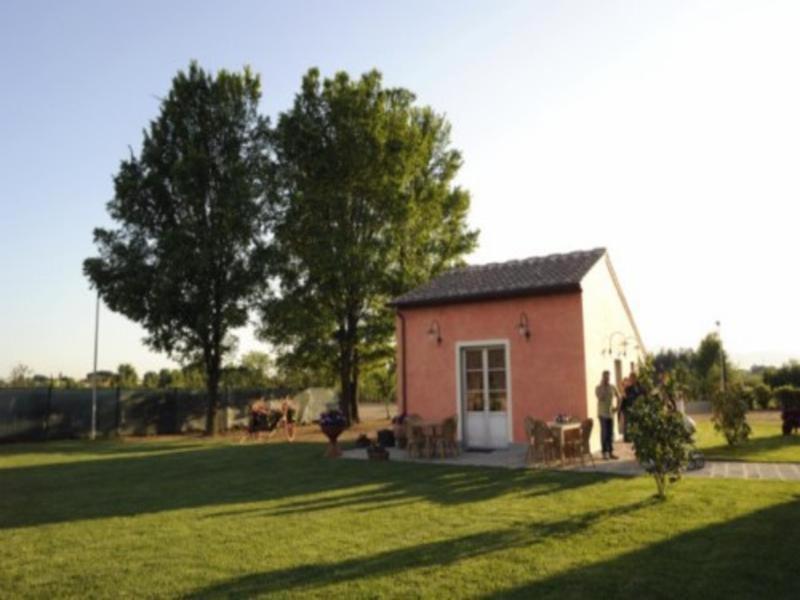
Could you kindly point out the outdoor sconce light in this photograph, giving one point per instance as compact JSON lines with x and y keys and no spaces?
{"x":523,"y":327}
{"x":434,"y":332}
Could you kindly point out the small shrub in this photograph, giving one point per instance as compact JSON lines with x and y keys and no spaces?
{"x":762,"y":396}
{"x":788,"y":397}
{"x":660,"y":439}
{"x":730,"y":415}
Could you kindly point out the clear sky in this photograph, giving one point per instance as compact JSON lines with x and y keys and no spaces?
{"x":668,"y":132}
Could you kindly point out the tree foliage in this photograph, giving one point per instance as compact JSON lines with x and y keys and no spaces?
{"x":730,"y":414}
{"x":699,"y":372}
{"x":658,"y":432}
{"x":364,"y":207}
{"x":127,"y":377}
{"x":787,"y":374}
{"x":187,"y":254}
{"x":20,"y":375}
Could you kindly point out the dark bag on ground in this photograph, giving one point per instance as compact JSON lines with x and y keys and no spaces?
{"x":386,"y":438}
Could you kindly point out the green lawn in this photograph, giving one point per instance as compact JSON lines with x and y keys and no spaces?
{"x":766,"y":443}
{"x":206,"y":520}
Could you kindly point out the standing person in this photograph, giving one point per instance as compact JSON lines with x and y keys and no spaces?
{"x":631,"y":391}
{"x":606,"y":393}
{"x":287,"y":416}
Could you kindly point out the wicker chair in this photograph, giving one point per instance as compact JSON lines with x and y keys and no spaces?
{"x":581,"y":447}
{"x":530,"y":455}
{"x":446,"y":444}
{"x":417,"y":444}
{"x":543,"y":445}
{"x":572,"y":444}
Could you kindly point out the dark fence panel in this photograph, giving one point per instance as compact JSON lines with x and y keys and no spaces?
{"x":23,"y":413}
{"x":46,"y":413}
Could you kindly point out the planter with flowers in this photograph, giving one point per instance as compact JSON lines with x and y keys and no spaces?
{"x":332,"y":423}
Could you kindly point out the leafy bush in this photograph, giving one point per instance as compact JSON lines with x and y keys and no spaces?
{"x":730,"y":415}
{"x":788,"y":397}
{"x":660,"y":439}
{"x":658,"y":432}
{"x":762,"y":396}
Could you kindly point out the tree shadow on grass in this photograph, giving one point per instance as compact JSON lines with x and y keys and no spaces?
{"x":754,"y":556}
{"x":436,"y":554}
{"x":755,"y":447}
{"x":209,"y":475}
{"x":99,"y":447}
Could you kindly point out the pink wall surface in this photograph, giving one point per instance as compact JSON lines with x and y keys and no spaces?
{"x":547,"y":371}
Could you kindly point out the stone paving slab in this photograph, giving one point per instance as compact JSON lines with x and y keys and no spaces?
{"x":748,"y":470}
{"x":514,"y":458}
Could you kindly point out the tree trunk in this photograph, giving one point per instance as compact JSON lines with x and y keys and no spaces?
{"x":212,"y":391}
{"x":345,"y":382}
{"x":348,"y":380}
{"x":354,"y":396}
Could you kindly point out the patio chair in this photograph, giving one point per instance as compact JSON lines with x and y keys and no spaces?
{"x":530,"y":455}
{"x":572,"y":444}
{"x":446,"y":444}
{"x":417,"y":444}
{"x":581,"y":447}
{"x":545,"y":444}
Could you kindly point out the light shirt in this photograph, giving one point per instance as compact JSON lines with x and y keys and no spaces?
{"x":605,"y":398}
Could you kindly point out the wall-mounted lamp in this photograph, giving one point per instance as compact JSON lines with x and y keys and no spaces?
{"x":522,"y":326}
{"x":434,"y":332}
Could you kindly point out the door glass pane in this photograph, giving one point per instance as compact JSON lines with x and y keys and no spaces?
{"x":497,"y":358}
{"x":475,"y":401}
{"x":497,"y":401}
{"x":497,"y":380}
{"x":474,"y":359}
{"x":474,"y":380}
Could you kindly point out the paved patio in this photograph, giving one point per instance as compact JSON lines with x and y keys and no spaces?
{"x":514,"y":458}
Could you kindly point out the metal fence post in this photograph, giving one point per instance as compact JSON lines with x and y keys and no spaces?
{"x":48,"y":409}
{"x":118,"y":414}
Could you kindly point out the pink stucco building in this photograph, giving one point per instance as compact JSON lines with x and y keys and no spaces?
{"x":492,"y":344}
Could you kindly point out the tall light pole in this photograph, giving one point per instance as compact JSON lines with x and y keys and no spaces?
{"x":93,"y":435}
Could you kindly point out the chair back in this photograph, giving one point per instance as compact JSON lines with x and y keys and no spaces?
{"x":530,"y":425}
{"x":412,"y":429}
{"x":586,"y":432}
{"x":449,"y":427}
{"x":542,"y":433}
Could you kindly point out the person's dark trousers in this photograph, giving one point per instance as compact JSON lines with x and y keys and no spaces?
{"x":607,"y":434}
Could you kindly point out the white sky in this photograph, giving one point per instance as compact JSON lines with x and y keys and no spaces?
{"x":668,"y":132}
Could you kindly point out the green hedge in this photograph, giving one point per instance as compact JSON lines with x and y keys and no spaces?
{"x":788,"y":397}
{"x":761,"y":396}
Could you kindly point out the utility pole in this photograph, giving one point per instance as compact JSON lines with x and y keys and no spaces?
{"x":94,"y":371}
{"x":721,"y":357}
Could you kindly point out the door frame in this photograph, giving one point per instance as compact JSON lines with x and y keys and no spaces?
{"x":460,"y":409}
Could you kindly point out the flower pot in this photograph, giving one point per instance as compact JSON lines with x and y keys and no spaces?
{"x":332,"y":432}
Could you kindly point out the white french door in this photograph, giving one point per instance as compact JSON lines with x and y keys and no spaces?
{"x":484,"y":385}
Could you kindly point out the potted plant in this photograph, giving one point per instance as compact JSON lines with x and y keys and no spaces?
{"x":332,"y":423}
